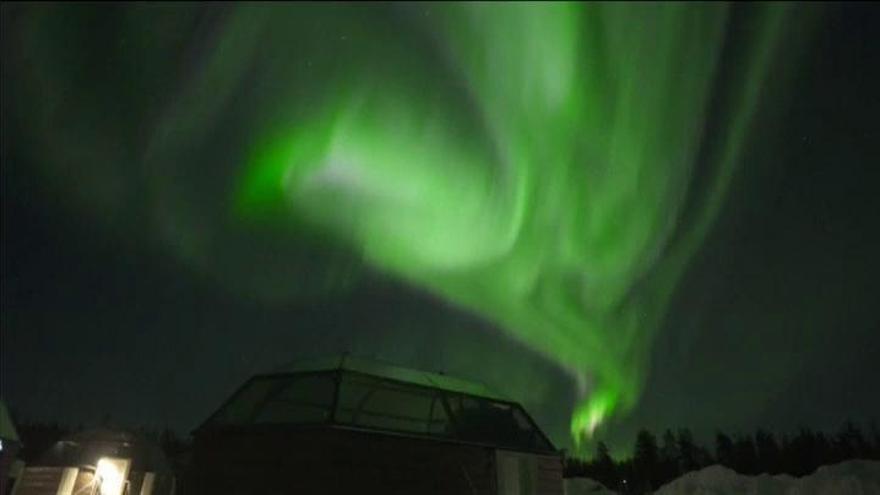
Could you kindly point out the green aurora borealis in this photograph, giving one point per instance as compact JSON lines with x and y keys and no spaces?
{"x":575,"y":203}
{"x":552,"y":207}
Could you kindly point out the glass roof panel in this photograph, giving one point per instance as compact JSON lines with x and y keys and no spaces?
{"x":380,"y":403}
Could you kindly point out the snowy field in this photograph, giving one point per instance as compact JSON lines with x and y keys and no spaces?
{"x":857,"y":477}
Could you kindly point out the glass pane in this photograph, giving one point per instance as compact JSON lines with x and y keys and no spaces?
{"x":495,"y":423}
{"x":396,"y":409}
{"x":439,"y":419}
{"x":477,"y":421}
{"x":304,"y":399}
{"x":242,"y":407}
{"x":389,"y":406}
{"x":529,"y":435}
{"x":352,"y":392}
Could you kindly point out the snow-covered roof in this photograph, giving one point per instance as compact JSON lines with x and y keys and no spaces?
{"x":86,"y":447}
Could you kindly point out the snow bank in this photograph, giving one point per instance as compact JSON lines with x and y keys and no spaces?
{"x":857,"y":477}
{"x":585,"y":486}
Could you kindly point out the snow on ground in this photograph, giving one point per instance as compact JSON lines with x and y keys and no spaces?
{"x":585,"y":486}
{"x":858,"y":477}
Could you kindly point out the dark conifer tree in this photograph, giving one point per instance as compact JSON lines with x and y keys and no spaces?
{"x":604,"y":466}
{"x":745,"y":458}
{"x":687,"y":451}
{"x":669,"y":457}
{"x":875,"y":441}
{"x":724,"y":450}
{"x":646,"y":464}
{"x":769,"y":456}
{"x":851,"y":443}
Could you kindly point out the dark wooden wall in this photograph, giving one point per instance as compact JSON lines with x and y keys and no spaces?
{"x":331,"y":460}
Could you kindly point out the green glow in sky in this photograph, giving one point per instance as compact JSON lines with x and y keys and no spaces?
{"x":536,"y":176}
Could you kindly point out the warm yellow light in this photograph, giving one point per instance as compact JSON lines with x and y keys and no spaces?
{"x":111,"y":474}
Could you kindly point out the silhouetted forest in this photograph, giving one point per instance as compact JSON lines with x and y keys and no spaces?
{"x":655,"y":463}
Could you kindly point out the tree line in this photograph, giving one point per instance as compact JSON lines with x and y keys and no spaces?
{"x":654,"y":463}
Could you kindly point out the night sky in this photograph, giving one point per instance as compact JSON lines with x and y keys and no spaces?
{"x":147,"y":270}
